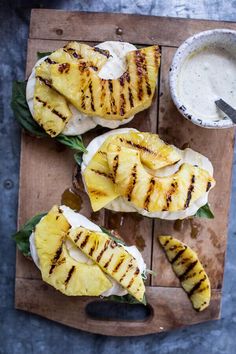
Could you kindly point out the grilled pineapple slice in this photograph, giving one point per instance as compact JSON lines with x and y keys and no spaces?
{"x":172,"y":193}
{"x":51,"y":109}
{"x":111,"y":257}
{"x":189,"y":270}
{"x":58,"y":268}
{"x":110,"y":99}
{"x":154,"y":153}
{"x":99,"y":181}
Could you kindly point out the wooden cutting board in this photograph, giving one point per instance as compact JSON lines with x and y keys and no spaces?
{"x":47,"y":168}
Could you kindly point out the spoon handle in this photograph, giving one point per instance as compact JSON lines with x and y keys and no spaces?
{"x":227,"y":109}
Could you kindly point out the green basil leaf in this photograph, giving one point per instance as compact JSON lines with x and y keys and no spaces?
{"x":78,"y":156}
{"x":41,"y":55}
{"x":73,"y":142}
{"x":22,"y":236}
{"x":128,"y":299}
{"x":205,"y":212}
{"x":22,"y":113}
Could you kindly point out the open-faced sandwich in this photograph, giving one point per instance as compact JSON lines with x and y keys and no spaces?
{"x":79,"y":258}
{"x":131,"y":171}
{"x":77,"y":87}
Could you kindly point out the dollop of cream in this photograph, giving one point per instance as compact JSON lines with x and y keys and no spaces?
{"x":121,"y":204}
{"x":115,"y":66}
{"x":76,"y":220}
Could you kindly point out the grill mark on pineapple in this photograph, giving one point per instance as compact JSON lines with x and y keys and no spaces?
{"x":208,"y":186}
{"x":76,"y":239}
{"x":65,"y":67}
{"x":118,"y":265}
{"x":196,"y":287}
{"x":103,"y":93}
{"x":157,"y":54}
{"x":166,"y":243}
{"x":122,"y":104}
{"x":108,"y":262}
{"x":84,"y":243}
{"x":132,"y":182}
{"x":115,"y":165}
{"x":138,"y":59}
{"x":184,"y":276}
{"x":50,"y":61}
{"x":74,"y":53}
{"x":45,"y":81}
{"x":112,"y":99}
{"x":97,"y":193}
{"x":91,"y":96}
{"x":190,"y":191}
{"x":169,"y":193}
{"x":63,"y":118}
{"x":104,"y":52}
{"x":130,"y":283}
{"x":103,"y":250}
{"x":178,"y":255}
{"x":138,"y":146}
{"x":102,"y":152}
{"x":131,"y":101}
{"x":130,"y":265}
{"x":92,"y":249}
{"x":70,"y":273}
{"x":55,"y":259}
{"x":104,"y":174}
{"x":149,"y":193}
{"x":45,"y":104}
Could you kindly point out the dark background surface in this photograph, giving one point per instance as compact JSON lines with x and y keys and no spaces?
{"x":25,"y":333}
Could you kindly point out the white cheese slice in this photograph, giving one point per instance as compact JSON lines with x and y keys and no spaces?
{"x":77,"y":220}
{"x":121,"y":204}
{"x":115,"y":66}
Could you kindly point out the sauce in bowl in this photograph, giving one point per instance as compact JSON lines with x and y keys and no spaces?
{"x":203,"y":70}
{"x":205,"y":76}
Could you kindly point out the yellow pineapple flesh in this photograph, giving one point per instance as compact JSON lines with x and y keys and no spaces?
{"x":111,"y":257}
{"x":115,"y":99}
{"x":154,"y":153}
{"x":51,"y":109}
{"x":99,"y":181}
{"x":171,"y":193}
{"x":189,"y":270}
{"x":58,"y":268}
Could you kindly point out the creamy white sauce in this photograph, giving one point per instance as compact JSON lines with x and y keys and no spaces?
{"x":121,"y":204}
{"x":115,"y":66}
{"x":205,"y":76}
{"x":77,"y":220}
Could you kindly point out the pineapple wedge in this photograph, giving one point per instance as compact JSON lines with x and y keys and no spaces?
{"x":189,"y":270}
{"x":171,"y":193}
{"x":154,"y":153}
{"x":99,"y":181}
{"x":116,"y":99}
{"x":58,"y":268}
{"x":111,"y":257}
{"x":51,"y":110}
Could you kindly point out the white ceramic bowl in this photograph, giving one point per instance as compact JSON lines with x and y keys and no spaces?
{"x":221,"y":37}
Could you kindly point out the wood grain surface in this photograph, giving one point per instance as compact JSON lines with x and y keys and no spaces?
{"x":47,"y":169}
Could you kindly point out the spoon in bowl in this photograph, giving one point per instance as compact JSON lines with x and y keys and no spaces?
{"x":227,"y":109}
